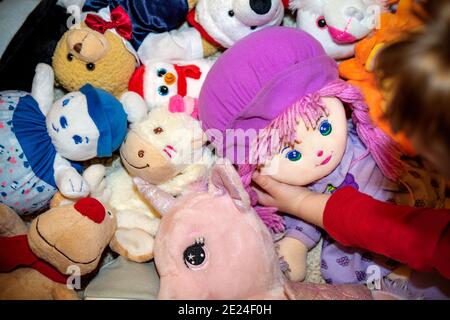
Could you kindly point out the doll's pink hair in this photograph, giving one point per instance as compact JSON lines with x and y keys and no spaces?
{"x":385,"y":152}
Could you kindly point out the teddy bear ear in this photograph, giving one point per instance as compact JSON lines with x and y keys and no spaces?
{"x":134,"y":105}
{"x":225,"y":179}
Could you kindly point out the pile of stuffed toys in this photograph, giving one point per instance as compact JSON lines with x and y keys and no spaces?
{"x":121,"y":161}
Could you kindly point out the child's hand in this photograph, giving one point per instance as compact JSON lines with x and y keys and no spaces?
{"x":284,"y":197}
{"x":295,"y":200}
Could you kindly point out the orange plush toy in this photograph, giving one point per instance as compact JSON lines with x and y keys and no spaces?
{"x":359,"y":70}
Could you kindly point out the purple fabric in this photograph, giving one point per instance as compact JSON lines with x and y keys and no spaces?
{"x":344,"y":265}
{"x":258,"y":78}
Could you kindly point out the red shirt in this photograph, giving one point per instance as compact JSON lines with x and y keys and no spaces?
{"x":418,"y":237}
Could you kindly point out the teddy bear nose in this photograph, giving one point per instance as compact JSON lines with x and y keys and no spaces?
{"x":261,"y":7}
{"x":91,"y":208}
{"x":77,"y":47}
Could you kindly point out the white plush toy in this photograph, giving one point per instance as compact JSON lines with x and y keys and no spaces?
{"x":215,"y":25}
{"x":41,"y":139}
{"x":159,"y":81}
{"x":338,"y":25}
{"x":166,"y":149}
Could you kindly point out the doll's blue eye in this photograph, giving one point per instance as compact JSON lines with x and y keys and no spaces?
{"x":294,"y":155}
{"x":161,"y":72}
{"x":325,"y":128}
{"x":63,"y":122}
{"x":163,"y":91}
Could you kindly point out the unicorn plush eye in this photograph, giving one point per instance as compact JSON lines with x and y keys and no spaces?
{"x":325,"y":128}
{"x":321,"y":22}
{"x":195,"y":255}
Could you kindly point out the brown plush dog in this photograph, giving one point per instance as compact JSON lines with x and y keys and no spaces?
{"x":63,"y":239}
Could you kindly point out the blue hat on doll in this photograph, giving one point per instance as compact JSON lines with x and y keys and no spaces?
{"x":109,"y":117}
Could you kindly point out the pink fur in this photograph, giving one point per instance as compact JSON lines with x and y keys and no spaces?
{"x":240,"y":262}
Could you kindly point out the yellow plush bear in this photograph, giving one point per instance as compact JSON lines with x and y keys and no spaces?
{"x":85,"y":56}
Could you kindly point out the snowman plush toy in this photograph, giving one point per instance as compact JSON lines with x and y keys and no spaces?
{"x":158,"y":81}
{"x":43,"y":142}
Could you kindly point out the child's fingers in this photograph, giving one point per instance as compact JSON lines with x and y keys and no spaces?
{"x":267,"y":183}
{"x":265,"y":199}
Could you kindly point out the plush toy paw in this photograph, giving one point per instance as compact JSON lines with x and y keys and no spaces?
{"x":133,"y":244}
{"x":134,"y":105}
{"x":94,"y":175}
{"x":72,"y":184}
{"x":44,"y":73}
{"x":43,"y":86}
{"x":10,"y":222}
{"x":293,"y":252}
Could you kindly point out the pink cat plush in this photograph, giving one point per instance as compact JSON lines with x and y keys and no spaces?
{"x":212,"y":245}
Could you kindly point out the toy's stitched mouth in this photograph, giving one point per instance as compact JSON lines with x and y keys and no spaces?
{"x":53,"y":246}
{"x":140,"y":168}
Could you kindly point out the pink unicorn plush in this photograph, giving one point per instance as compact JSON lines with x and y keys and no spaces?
{"x":212,"y":245}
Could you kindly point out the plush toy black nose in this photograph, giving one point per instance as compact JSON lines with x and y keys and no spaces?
{"x":261,"y":6}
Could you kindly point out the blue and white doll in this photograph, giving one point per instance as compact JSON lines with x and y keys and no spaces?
{"x":41,"y":141}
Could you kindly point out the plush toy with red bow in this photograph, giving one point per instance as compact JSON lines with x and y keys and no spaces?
{"x":66,"y":240}
{"x":158,"y":82}
{"x":101,"y":58}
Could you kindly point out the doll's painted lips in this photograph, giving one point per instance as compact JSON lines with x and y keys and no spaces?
{"x":146,"y":166}
{"x":324,"y":162}
{"x":54,"y":247}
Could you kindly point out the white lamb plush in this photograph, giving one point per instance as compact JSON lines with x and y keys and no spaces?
{"x":166,"y":149}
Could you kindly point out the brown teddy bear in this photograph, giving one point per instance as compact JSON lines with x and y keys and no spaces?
{"x":86,"y":56}
{"x":35,"y":264}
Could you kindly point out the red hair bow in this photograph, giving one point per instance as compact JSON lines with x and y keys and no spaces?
{"x":120,"y":21}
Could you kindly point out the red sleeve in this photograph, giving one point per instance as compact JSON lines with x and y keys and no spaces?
{"x":417,"y":237}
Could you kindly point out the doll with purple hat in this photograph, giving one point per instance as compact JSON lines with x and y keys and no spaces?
{"x":275,"y":103}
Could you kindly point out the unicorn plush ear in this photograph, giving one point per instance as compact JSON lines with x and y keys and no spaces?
{"x":224,"y":179}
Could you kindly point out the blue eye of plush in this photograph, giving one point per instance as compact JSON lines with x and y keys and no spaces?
{"x":161,"y":72}
{"x":294,"y":155}
{"x":163,"y":91}
{"x":325,"y":128}
{"x":65,"y":102}
{"x":63,"y":122}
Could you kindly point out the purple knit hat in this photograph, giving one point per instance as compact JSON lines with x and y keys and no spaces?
{"x":257,"y":79}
